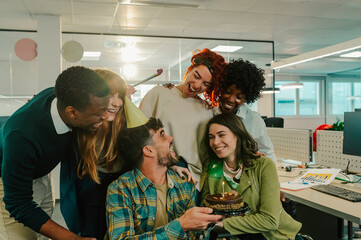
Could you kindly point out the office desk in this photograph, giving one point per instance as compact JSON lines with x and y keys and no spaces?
{"x":335,"y":206}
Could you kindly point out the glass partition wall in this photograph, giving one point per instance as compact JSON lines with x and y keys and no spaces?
{"x":133,"y":57}
{"x":329,"y":87}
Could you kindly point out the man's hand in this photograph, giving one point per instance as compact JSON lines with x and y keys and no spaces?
{"x":181,"y":171}
{"x":198,"y":218}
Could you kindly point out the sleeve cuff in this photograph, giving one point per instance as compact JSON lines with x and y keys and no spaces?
{"x":175,"y":230}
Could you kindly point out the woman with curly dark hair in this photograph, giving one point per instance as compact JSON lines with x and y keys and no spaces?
{"x":180,"y":109}
{"x":243,"y":84}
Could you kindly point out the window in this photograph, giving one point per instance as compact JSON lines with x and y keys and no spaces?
{"x":141,"y":92}
{"x":339,"y":102}
{"x":356,"y":95}
{"x":309,"y":104}
{"x":285,"y":101}
{"x":298,"y":102}
{"x":344,"y":96}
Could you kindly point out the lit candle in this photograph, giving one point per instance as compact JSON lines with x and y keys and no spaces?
{"x":223,"y":189}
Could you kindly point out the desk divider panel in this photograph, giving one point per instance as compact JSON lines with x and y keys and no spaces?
{"x":329,"y":152}
{"x":294,"y":144}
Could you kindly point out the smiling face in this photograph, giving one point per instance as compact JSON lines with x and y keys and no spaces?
{"x":164,"y":148}
{"x":231,"y":99}
{"x":196,"y":82}
{"x":222,"y":141}
{"x":115,"y":104}
{"x":93,"y":116}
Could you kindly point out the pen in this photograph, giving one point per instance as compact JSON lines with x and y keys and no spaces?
{"x":305,"y":183}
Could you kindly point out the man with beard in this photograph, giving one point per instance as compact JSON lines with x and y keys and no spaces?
{"x":151,"y":201}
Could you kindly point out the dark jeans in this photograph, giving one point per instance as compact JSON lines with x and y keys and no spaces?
{"x":91,"y":203}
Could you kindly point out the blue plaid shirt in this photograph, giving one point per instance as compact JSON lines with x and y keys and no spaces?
{"x":132,"y":204}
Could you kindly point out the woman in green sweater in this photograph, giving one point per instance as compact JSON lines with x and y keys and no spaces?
{"x":232,"y":159}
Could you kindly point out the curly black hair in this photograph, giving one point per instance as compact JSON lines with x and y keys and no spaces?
{"x":247,"y":77}
{"x":75,"y":85}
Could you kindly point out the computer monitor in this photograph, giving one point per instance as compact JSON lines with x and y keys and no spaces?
{"x":352,"y":133}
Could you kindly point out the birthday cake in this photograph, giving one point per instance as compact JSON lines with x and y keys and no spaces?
{"x":226,"y":201}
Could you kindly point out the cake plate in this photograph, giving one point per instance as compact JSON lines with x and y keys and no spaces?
{"x":235,"y":212}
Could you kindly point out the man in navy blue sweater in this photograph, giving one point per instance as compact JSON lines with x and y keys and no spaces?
{"x":35,"y":139}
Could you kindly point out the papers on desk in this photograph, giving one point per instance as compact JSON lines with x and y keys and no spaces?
{"x":310,"y":178}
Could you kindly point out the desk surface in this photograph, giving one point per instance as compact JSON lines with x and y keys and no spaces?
{"x":338,"y":207}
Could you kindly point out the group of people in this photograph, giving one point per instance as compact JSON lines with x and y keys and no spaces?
{"x":127,"y":173}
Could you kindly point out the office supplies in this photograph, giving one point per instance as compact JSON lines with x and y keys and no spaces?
{"x":310,"y":178}
{"x":339,"y":192}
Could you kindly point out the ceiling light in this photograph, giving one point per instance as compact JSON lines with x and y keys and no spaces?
{"x":130,"y":53}
{"x":292,"y":85}
{"x":92,"y":56}
{"x":222,"y":48}
{"x":129,"y":70}
{"x":113,"y":44}
{"x":270,"y":90}
{"x":355,"y":54}
{"x":353,"y":97}
{"x":320,"y":53}
{"x":15,"y":97}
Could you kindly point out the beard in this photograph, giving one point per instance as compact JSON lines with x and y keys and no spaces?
{"x":170,"y":159}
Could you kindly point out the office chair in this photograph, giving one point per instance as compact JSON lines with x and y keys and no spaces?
{"x":274,"y":122}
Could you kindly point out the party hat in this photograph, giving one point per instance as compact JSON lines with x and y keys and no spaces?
{"x":134,"y":116}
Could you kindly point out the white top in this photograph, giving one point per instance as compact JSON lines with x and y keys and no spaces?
{"x":256,"y":128}
{"x":59,"y":124}
{"x":183,"y":118}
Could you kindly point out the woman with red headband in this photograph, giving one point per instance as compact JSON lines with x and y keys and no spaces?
{"x":182,"y":112}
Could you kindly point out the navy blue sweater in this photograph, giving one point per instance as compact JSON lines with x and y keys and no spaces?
{"x":30,"y":148}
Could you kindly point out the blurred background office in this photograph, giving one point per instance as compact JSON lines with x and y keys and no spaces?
{"x":40,"y":38}
{"x":136,"y":37}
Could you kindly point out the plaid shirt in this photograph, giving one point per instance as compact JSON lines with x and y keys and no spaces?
{"x":131,"y":207}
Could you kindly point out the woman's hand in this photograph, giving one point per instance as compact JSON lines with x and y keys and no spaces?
{"x":219,"y":224}
{"x":181,"y":171}
{"x":168,"y":85}
{"x":282,"y":197}
{"x":130,"y":91}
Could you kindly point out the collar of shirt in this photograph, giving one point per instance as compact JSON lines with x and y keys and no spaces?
{"x":144,"y":182}
{"x":242,"y":111}
{"x":59,"y":125}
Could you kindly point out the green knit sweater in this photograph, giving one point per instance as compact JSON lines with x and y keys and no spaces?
{"x":30,"y":148}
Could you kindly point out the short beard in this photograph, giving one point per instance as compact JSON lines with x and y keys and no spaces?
{"x":167,"y":161}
